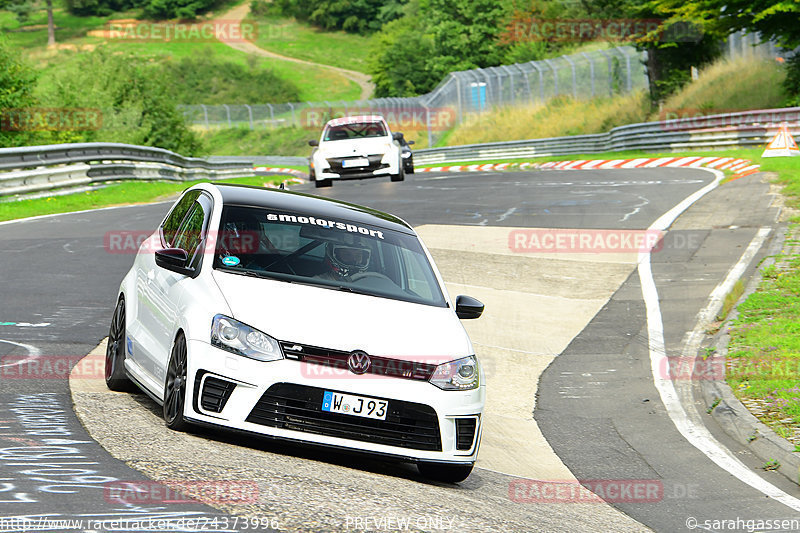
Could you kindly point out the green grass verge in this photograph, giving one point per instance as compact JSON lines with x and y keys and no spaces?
{"x":763,"y":367}
{"x":129,"y":192}
{"x":291,"y":38}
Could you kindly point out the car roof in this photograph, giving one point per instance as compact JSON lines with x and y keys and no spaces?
{"x":284,"y":200}
{"x":355,"y":119}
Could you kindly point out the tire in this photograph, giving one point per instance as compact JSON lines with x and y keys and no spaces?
{"x":116,"y":378}
{"x":311,"y":175}
{"x":323,"y":183}
{"x":175,"y":387}
{"x":401,"y":175}
{"x":445,"y":473}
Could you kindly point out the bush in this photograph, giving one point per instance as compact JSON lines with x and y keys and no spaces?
{"x":792,"y":82}
{"x":17,"y":81}
{"x":203,"y":79}
{"x":136,"y":101}
{"x":355,"y":16}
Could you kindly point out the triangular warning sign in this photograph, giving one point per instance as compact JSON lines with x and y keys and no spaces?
{"x":782,"y":145}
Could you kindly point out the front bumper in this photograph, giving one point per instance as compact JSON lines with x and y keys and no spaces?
{"x":333,"y":167}
{"x":250,"y":389}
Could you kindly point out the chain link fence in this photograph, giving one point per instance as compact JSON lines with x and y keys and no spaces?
{"x":461,"y":94}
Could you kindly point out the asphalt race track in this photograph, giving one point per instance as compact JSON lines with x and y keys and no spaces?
{"x":596,"y":404}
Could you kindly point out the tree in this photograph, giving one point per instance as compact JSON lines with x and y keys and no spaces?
{"x":24,"y":8}
{"x":17,"y":81}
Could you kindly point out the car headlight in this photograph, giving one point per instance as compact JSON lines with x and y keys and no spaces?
{"x":405,"y":155}
{"x":233,"y":336}
{"x":463,"y":374}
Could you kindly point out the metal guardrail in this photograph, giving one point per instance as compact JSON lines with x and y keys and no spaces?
{"x":722,"y":131}
{"x":39,"y":168}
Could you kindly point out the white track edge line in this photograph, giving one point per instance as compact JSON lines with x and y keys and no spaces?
{"x":697,"y":435}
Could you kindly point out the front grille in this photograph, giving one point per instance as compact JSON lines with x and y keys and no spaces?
{"x":465,"y":433}
{"x":337,"y":359}
{"x":337,"y":164}
{"x":215,"y":394}
{"x":298,"y":408}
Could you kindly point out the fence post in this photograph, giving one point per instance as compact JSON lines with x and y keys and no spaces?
{"x":294,"y":121}
{"x":628,"y":84}
{"x":555,"y":76}
{"x":591,"y":69}
{"x":428,"y":124}
{"x":205,"y":114}
{"x":574,"y":77}
{"x":610,"y":74}
{"x":228,"y":112}
{"x":250,"y":114}
{"x":271,"y":116}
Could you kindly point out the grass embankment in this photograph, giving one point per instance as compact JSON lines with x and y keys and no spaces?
{"x":80,"y":35}
{"x":288,"y":37}
{"x":130,"y":192}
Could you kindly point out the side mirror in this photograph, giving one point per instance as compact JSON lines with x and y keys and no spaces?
{"x":174,"y":260}
{"x":313,"y":142}
{"x":409,"y":143}
{"x":397,"y":136}
{"x":468,"y":307}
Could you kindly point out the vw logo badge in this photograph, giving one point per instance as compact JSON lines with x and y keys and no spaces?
{"x":358,"y":362}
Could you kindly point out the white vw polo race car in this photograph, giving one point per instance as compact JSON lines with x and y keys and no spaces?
{"x":355,"y":148}
{"x":300,"y":318}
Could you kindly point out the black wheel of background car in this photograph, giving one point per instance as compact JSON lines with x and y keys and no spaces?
{"x":323,"y":183}
{"x":445,"y":473}
{"x":175,"y":386}
{"x":311,"y":176}
{"x":116,"y":379}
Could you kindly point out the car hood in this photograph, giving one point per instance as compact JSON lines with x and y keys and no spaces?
{"x":339,"y":320}
{"x":377,"y":145}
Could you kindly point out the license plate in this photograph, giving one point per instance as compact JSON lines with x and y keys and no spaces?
{"x":348,"y":163}
{"x":349,"y":404}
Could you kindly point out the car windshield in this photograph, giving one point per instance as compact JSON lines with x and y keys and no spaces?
{"x":355,"y":130}
{"x":336,"y":254}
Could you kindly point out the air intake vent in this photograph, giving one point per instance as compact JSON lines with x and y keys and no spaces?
{"x":465,"y":433}
{"x":215,"y":394}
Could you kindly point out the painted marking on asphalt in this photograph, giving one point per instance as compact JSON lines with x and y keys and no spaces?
{"x":33,"y":352}
{"x":696,"y":433}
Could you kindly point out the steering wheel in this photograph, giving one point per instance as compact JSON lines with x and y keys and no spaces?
{"x":366,"y":275}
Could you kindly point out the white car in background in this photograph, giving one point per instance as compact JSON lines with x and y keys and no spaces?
{"x":355,"y":148}
{"x":304,"y":319}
